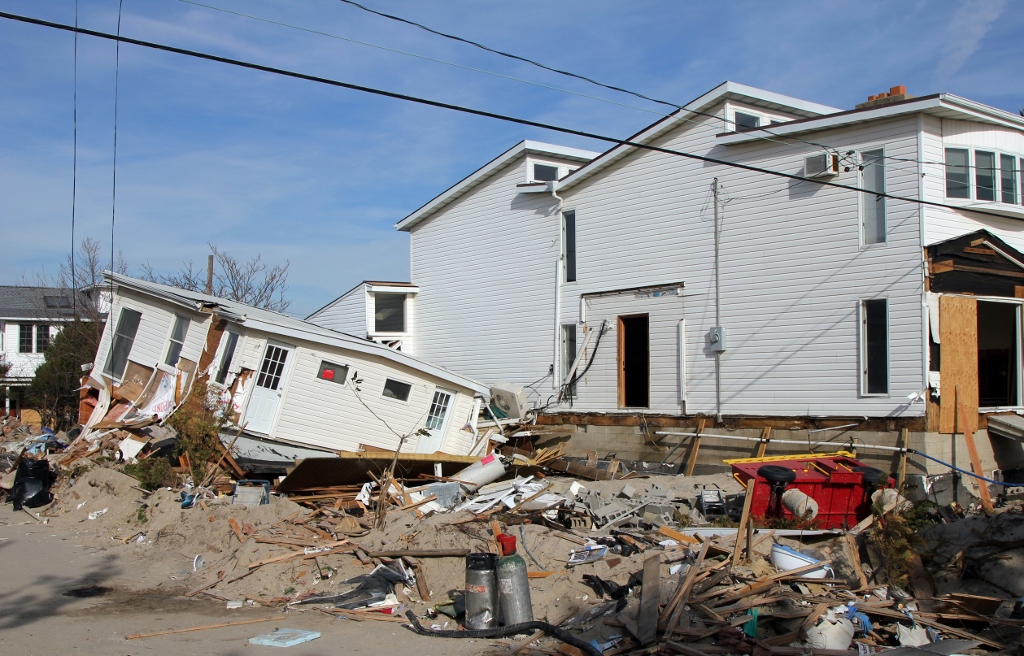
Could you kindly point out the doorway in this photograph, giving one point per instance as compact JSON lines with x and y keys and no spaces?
{"x":266,"y":394}
{"x":998,"y":364}
{"x":436,"y":422}
{"x":634,"y":361}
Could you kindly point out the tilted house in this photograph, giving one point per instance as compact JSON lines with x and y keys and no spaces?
{"x":598,"y":291}
{"x":298,"y":389}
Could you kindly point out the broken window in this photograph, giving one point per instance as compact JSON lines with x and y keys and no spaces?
{"x":25,"y":338}
{"x":569,"y":245}
{"x":177,"y":340}
{"x":998,"y":367}
{"x":873,"y":178}
{"x":42,"y":338}
{"x":226,"y":356}
{"x":121,"y":345}
{"x":388,"y":312}
{"x":394,"y":389}
{"x":337,"y":373}
{"x":875,"y":346}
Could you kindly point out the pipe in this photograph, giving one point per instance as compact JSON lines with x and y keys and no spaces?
{"x":556,"y":377}
{"x":718,"y":313}
{"x":506,"y":631}
{"x":800,"y":442}
{"x":963,"y":471}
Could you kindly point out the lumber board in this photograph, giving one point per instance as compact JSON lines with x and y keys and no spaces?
{"x":650,"y":596}
{"x":136,"y":636}
{"x":744,"y":518}
{"x":958,"y":328}
{"x":692,"y":461}
{"x":972,"y":451}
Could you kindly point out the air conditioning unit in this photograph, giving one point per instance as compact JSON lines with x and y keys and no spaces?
{"x":510,"y":399}
{"x":822,"y":165}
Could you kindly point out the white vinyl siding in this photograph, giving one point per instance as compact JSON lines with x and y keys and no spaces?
{"x":347,"y":314}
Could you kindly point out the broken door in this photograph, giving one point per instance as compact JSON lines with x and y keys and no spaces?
{"x":437,"y":421}
{"x":634,"y":361}
{"x":266,"y":394}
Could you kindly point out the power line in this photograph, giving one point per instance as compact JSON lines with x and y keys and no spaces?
{"x":478,"y":112}
{"x":423,"y":57}
{"x":74,"y":170}
{"x":113,"y":190}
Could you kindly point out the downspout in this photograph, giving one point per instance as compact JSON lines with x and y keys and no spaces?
{"x":925,"y":334}
{"x":718,"y":315}
{"x":555,"y":378}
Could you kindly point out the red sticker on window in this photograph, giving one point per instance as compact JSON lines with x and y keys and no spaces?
{"x":328,"y":374}
{"x":488,"y":460}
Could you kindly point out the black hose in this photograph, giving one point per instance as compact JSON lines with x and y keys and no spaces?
{"x":506,"y":631}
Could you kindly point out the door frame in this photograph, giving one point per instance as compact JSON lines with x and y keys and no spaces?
{"x":622,"y":358}
{"x":453,"y":397}
{"x":285,"y":381}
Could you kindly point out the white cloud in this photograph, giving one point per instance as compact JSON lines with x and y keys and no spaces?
{"x":967,"y":30}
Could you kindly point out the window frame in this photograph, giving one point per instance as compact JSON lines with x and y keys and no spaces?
{"x":563,"y":169}
{"x":998,"y":178}
{"x":865,"y":197}
{"x":1014,"y":179}
{"x":405,"y":314}
{"x":227,"y":354}
{"x":967,"y":172}
{"x":864,"y":359}
{"x":30,"y":339}
{"x":108,"y":362}
{"x":994,"y":172}
{"x":396,"y":398}
{"x":43,"y":337}
{"x":325,"y":365}
{"x":570,"y":251}
{"x":172,"y":342}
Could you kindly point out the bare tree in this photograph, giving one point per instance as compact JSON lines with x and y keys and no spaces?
{"x":252,"y":281}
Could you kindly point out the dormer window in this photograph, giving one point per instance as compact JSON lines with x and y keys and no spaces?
{"x":389,"y":313}
{"x":538,"y":171}
{"x":746,"y":121}
{"x":544,"y":172}
{"x":740,"y":119}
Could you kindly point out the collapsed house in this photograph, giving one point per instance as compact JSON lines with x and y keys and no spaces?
{"x":294,"y":389}
{"x":634,"y":292}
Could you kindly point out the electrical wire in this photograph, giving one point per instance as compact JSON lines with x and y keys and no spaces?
{"x":483,"y":113}
{"x":423,"y":57}
{"x":963,"y":471}
{"x":113,"y":189}
{"x":74,"y":171}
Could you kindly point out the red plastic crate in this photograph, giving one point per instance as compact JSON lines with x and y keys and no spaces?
{"x":842,"y":495}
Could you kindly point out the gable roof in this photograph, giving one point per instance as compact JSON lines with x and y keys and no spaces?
{"x":281,"y":324}
{"x":468,"y":183}
{"x":38,"y":302}
{"x":725,"y":91}
{"x":408,"y":287}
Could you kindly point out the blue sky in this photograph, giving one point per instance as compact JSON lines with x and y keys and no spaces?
{"x":259,"y":164}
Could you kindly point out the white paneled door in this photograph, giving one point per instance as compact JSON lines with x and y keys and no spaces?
{"x":437,"y":421}
{"x":266,"y":394}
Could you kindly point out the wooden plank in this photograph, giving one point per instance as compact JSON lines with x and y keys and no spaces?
{"x":901,"y":472}
{"x":851,"y":543}
{"x":677,"y":536}
{"x":744,"y":518}
{"x":692,"y":461}
{"x":136,"y":636}
{"x":670,"y":616}
{"x":419,"y":553}
{"x":766,"y":437}
{"x":958,"y":328}
{"x":972,"y":451}
{"x":650,"y":597}
{"x":812,"y":619}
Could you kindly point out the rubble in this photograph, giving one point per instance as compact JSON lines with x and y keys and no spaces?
{"x":666,"y":564}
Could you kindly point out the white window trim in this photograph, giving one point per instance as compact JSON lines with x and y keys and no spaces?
{"x":972,"y":180}
{"x":1020,"y":347}
{"x":371,"y":314}
{"x":220,"y":354}
{"x":862,"y":198}
{"x":563,"y":168}
{"x":111,"y":335}
{"x":764,"y":118}
{"x":171,"y":368}
{"x":863,"y":350}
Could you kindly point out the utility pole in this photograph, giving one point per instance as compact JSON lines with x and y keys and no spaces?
{"x":209,"y":275}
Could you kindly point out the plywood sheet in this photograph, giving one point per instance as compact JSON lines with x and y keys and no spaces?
{"x":958,"y":322}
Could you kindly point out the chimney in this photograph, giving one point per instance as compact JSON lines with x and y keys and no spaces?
{"x":894,"y":94}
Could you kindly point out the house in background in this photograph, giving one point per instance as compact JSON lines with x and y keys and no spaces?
{"x":30,"y":317}
{"x":645,"y":288}
{"x":297,"y":389}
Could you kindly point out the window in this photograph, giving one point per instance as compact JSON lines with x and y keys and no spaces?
{"x":873,"y":179}
{"x":394,"y":389}
{"x":568,"y":357}
{"x":42,"y":338}
{"x":25,"y":338}
{"x":121,"y":345}
{"x":337,"y":373}
{"x":388,"y":312}
{"x":178,"y":333}
{"x":875,"y":346}
{"x":958,"y":181}
{"x":225,"y":357}
{"x":569,"y":245}
{"x":57,"y":301}
{"x":544,"y":172}
{"x":984,"y":175}
{"x":1008,"y":178}
{"x":746,"y":121}
{"x":272,"y":368}
{"x":438,"y":410}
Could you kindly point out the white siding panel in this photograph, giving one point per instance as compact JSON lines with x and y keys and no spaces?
{"x":346,"y":315}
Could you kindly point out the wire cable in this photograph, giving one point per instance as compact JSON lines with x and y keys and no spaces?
{"x":113,"y":190}
{"x":74,"y":170}
{"x":483,"y":113}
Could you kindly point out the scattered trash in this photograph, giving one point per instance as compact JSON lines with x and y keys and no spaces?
{"x":98,"y":513}
{"x":284,"y":638}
